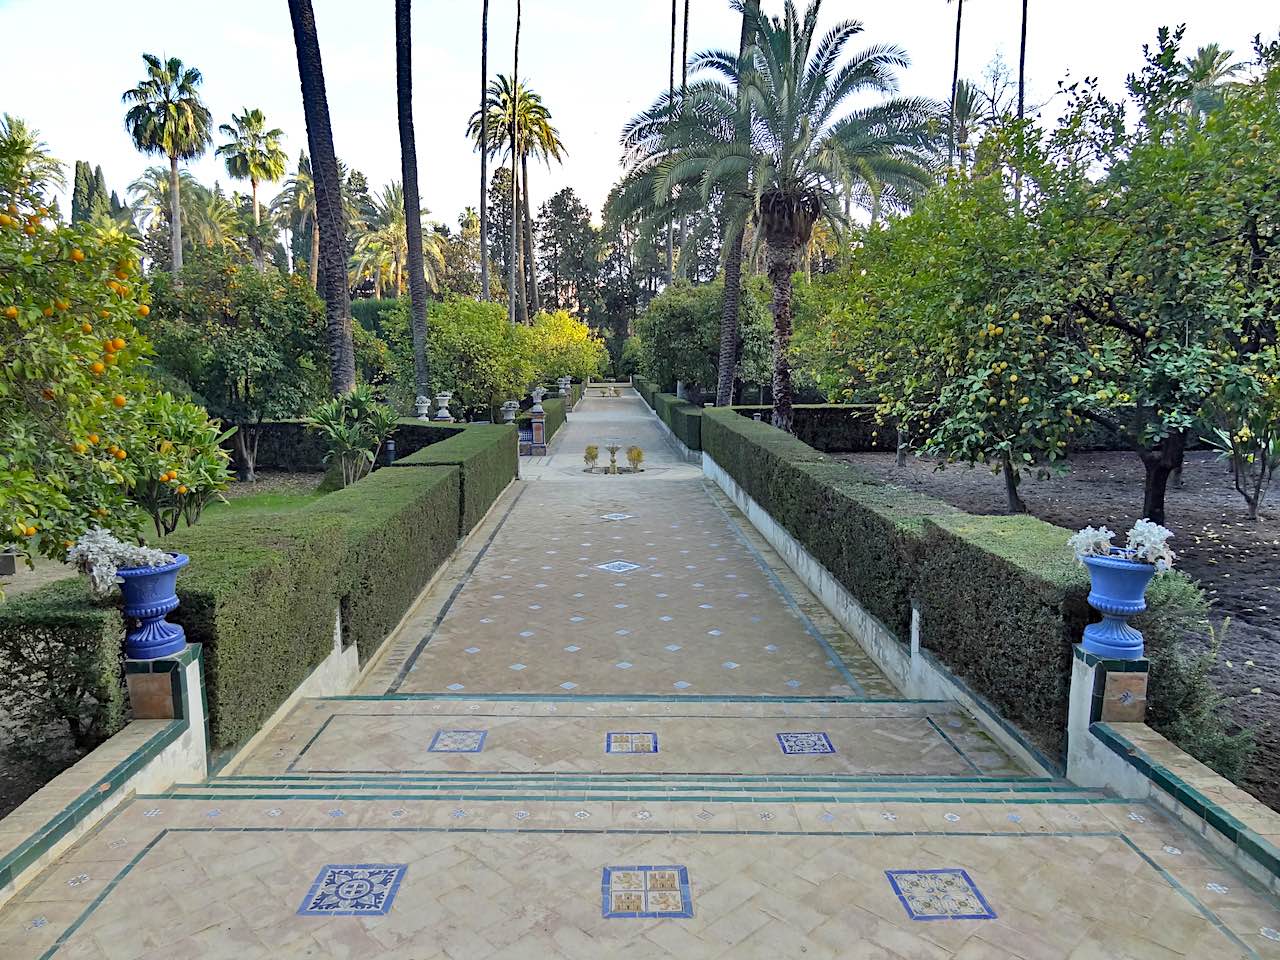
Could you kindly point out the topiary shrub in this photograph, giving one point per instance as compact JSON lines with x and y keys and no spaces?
{"x":835,"y":428}
{"x":60,"y":665}
{"x":399,"y":527}
{"x":488,"y":456}
{"x":684,"y":418}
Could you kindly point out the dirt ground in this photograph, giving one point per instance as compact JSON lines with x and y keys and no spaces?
{"x":1236,"y":560}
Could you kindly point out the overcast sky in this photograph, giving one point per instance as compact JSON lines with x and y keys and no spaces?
{"x":595,"y":62}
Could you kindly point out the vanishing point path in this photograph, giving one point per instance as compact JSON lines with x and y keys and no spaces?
{"x":616,"y":726}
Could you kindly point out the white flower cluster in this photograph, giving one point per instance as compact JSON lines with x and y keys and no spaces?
{"x":98,"y":555}
{"x":1148,"y":543}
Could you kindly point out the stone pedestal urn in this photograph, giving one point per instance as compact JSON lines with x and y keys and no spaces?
{"x":149,"y":595}
{"x":509,"y":411}
{"x":1118,"y":588}
{"x":423,"y":407}
{"x":442,"y":401}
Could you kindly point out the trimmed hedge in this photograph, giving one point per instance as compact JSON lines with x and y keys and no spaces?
{"x":835,"y":428}
{"x":399,"y":526}
{"x":261,"y":596}
{"x":61,"y":663}
{"x":488,"y":456}
{"x":1002,"y":602}
{"x":646,"y":388}
{"x":684,"y":418}
{"x":293,"y":445}
{"x":555,"y":408}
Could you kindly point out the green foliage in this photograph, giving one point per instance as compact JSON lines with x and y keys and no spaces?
{"x":1183,"y":703}
{"x":488,"y":456}
{"x":399,"y":527}
{"x":684,"y":418}
{"x":569,"y":256}
{"x":261,"y":597}
{"x":62,"y":665}
{"x":179,"y":463}
{"x":354,"y":426}
{"x":564,"y":346}
{"x":553,"y":408}
{"x":678,"y":336}
{"x":835,"y":428}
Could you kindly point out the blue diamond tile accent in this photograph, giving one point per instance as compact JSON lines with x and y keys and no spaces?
{"x":353,"y":890}
{"x":805,"y":743}
{"x":673,"y":647}
{"x":616,"y":516}
{"x":939,"y":895}
{"x":568,"y":685}
{"x":682,"y":684}
{"x":630,"y":742}
{"x":645,"y":892}
{"x":458,"y":741}
{"x":455,"y":686}
{"x":618,"y":566}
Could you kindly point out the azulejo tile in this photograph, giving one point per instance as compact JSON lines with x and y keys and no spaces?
{"x":616,"y":516}
{"x":630,"y":742}
{"x":646,"y":892}
{"x":458,"y":741}
{"x":939,"y":895}
{"x":353,"y":890}
{"x":618,"y":566}
{"x":815,"y":742}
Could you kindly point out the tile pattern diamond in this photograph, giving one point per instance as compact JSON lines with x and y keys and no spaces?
{"x":646,"y":892}
{"x":353,"y":890}
{"x":458,"y":741}
{"x":939,"y":895}
{"x":815,"y":742}
{"x":631,"y":743}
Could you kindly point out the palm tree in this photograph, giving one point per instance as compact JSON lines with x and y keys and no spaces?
{"x":484,"y":154}
{"x":802,"y":148}
{"x":514,"y":131}
{"x":253,"y":153}
{"x":29,"y":153}
{"x":1208,"y":72}
{"x":671,"y":96}
{"x":330,"y":218}
{"x":168,"y":117}
{"x":965,"y":108}
{"x":955,"y":87}
{"x":412,"y":212}
{"x":519,"y":117}
{"x":1022,"y":102}
{"x":297,"y":201}
{"x":383,"y":250}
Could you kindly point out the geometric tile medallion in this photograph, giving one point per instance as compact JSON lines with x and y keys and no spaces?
{"x":646,"y":892}
{"x":939,"y":895}
{"x":457,"y":741}
{"x":805,"y":743}
{"x":631,"y":743}
{"x":353,"y":890}
{"x":617,"y":566}
{"x":616,"y":516}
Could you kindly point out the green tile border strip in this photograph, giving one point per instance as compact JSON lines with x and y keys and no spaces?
{"x":411,"y":661}
{"x":627,"y":698}
{"x":1164,"y":874}
{"x":1247,"y":841}
{"x":446,"y":776}
{"x":17,"y":861}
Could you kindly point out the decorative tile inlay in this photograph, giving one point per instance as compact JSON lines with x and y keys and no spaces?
{"x":471,"y":650}
{"x":939,"y":895}
{"x":456,"y":686}
{"x":805,"y":743}
{"x":568,"y":685}
{"x":616,"y":516}
{"x":624,"y":665}
{"x":1216,"y":887}
{"x":631,"y":743}
{"x":572,"y":648}
{"x":729,"y":665}
{"x":646,"y":892}
{"x":618,"y":566}
{"x":1171,"y":850}
{"x":78,"y":879}
{"x":682,"y":684}
{"x":673,"y":647}
{"x":353,"y":890}
{"x":516,"y":667}
{"x":458,"y":741}
{"x":1270,"y":933}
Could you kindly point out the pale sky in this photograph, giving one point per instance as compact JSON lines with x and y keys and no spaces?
{"x":595,"y":62}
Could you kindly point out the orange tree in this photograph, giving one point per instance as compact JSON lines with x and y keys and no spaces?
{"x":77,"y":418}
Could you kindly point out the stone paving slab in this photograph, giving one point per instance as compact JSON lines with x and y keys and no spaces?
{"x":234,"y":879}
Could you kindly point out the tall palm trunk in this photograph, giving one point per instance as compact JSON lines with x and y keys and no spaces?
{"x":175,"y":218}
{"x":330,"y":219}
{"x":412,"y":211}
{"x":531,"y":260}
{"x":955,"y":85}
{"x":514,"y":296}
{"x":783,"y":259}
{"x":484,"y":154}
{"x":728,"y":361}
{"x":259,"y":251}
{"x":1022,"y":97}
{"x":671,"y":96}
{"x":315,"y":254}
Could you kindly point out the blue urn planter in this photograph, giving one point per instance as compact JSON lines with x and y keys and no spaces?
{"x":149,"y":594}
{"x":1119,"y":586}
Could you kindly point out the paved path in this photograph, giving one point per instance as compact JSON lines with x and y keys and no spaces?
{"x":617,"y":726}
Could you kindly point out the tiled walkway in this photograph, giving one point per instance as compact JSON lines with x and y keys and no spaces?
{"x":617,"y":726}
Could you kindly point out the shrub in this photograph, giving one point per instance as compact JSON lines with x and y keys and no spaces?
{"x":684,"y":418}
{"x":635,"y":457}
{"x":835,"y":428}
{"x":296,"y":446}
{"x":399,"y":526}
{"x":354,"y":426}
{"x":564,"y":346}
{"x":61,"y":657}
{"x":261,"y":597}
{"x":1002,"y":602}
{"x":488,"y":456}
{"x":646,"y":388}
{"x":554,"y":407}
{"x":591,"y":455}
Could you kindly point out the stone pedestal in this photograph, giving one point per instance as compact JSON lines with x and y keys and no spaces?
{"x":172,"y":688}
{"x":1108,"y":691}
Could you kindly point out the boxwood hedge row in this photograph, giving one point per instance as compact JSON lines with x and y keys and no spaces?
{"x":488,"y":456}
{"x":294,"y":446}
{"x":835,"y":427}
{"x":684,"y":418}
{"x":1001,"y":601}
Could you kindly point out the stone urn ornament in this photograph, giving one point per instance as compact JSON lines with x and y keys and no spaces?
{"x":423,"y":407}
{"x":537,"y":393}
{"x":442,"y":401}
{"x":509,"y":410}
{"x":613,"y":445}
{"x":1118,"y":579}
